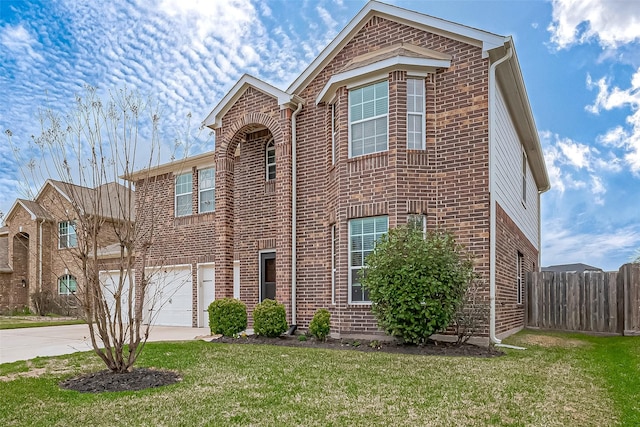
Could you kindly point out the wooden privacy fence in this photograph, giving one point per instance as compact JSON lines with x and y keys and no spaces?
{"x":600,"y":302}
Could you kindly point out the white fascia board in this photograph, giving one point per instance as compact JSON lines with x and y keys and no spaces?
{"x":14,"y":206}
{"x":379,"y":69}
{"x":214,"y":119}
{"x":450,"y":29}
{"x":58,"y":189}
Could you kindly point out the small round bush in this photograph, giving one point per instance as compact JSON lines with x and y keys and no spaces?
{"x":320,"y":324}
{"x":269,"y":319}
{"x":227,"y":316}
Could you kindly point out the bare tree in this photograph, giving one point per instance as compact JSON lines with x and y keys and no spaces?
{"x":89,"y":150}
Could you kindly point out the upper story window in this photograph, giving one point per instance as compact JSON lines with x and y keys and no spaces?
{"x":67,"y":285}
{"x":524,"y":177}
{"x":206,"y":190}
{"x":368,"y":119}
{"x":415,"y":114}
{"x":183,"y":194}
{"x":363,"y":233}
{"x":67,"y":237}
{"x":270,"y":160}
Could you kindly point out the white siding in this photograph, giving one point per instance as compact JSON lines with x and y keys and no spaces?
{"x":508,"y":170}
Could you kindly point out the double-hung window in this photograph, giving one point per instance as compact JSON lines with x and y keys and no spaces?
{"x":334,"y":136}
{"x":183,"y":194}
{"x":363,"y":233}
{"x":67,"y":285}
{"x":368,"y":119}
{"x":67,"y":237}
{"x":520,"y":279}
{"x":415,"y":114}
{"x":206,"y":190}
{"x":270,"y":160}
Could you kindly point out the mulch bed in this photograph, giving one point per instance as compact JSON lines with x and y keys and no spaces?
{"x":138,"y":379}
{"x":430,"y":348}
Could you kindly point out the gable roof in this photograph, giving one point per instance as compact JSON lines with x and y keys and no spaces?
{"x":483,"y":39}
{"x":567,"y":268}
{"x":34,"y":210}
{"x":214,"y":119}
{"x":203,"y":160}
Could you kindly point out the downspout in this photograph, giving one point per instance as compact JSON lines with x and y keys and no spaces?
{"x":492,"y":200}
{"x":40,"y":257}
{"x":294,"y":193}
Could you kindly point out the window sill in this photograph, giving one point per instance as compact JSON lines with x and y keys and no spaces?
{"x":194,"y":219}
{"x":360,"y":304}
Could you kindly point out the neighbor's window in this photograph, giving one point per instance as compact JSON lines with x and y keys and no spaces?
{"x":183,"y":194}
{"x":363,"y":234}
{"x":67,"y":237}
{"x":524,"y":177}
{"x":415,"y":114}
{"x":206,"y":190}
{"x":520,"y":279}
{"x":368,"y":111}
{"x":270,"y":159}
{"x":67,"y":285}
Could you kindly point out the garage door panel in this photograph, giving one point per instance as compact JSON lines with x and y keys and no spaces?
{"x":168,"y":300}
{"x":110,"y":281}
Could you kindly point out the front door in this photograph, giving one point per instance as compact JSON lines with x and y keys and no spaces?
{"x":267,"y":276}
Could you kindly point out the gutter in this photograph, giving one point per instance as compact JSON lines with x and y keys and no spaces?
{"x":492,"y":201}
{"x":294,"y":193}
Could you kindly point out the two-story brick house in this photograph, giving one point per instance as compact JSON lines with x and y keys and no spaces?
{"x":38,"y":244}
{"x":402,"y":117}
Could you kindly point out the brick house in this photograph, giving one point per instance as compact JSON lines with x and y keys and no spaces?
{"x":38,"y":243}
{"x":403,"y":117}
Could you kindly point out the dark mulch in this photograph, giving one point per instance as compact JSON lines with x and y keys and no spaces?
{"x":138,"y":379}
{"x":431,"y":348}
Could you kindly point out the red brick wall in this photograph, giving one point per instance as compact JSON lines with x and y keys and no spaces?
{"x":509,"y":241}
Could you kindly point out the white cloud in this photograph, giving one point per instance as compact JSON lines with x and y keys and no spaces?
{"x":611,"y":23}
{"x":576,"y":154}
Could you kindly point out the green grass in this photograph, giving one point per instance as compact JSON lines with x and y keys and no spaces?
{"x":560,"y":379}
{"x":16,"y":322}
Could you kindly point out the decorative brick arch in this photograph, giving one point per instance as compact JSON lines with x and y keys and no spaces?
{"x":234,"y":133}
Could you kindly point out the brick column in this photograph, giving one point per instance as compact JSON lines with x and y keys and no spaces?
{"x":283,"y":211}
{"x":224,"y":224}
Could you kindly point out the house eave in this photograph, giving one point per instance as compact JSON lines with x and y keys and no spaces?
{"x":514,"y":91}
{"x":176,"y":167}
{"x":284,"y":99}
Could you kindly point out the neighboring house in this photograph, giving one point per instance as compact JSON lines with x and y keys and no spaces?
{"x":571,"y":268}
{"x":403,"y":117}
{"x":37,"y":244}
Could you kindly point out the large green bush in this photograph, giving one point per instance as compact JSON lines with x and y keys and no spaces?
{"x":227,"y":316}
{"x":416,"y":283}
{"x":320,"y":324}
{"x":269,"y":318}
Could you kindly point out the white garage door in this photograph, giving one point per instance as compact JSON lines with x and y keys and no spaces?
{"x":110,"y":281}
{"x":169,"y":296}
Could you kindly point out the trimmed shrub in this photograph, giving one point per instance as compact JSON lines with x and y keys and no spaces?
{"x":416,"y":283}
{"x":269,"y":319}
{"x":227,"y":316}
{"x":320,"y":324}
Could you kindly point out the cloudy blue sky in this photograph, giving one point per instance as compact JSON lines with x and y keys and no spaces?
{"x":580,"y":60}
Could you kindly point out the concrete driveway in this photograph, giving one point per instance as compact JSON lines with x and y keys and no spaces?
{"x":27,"y":343}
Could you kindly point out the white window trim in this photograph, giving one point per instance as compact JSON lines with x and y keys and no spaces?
{"x":333,"y":134}
{"x":202,"y":190}
{"x":519,"y":278}
{"x":71,"y":225}
{"x":334,"y":253}
{"x":267,"y":148}
{"x":351,"y":302}
{"x":175,"y":188}
{"x":350,"y":123}
{"x":524,"y":170}
{"x":421,"y":114}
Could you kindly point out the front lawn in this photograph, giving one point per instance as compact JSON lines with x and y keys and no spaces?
{"x":15,"y":322}
{"x":559,"y":380}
